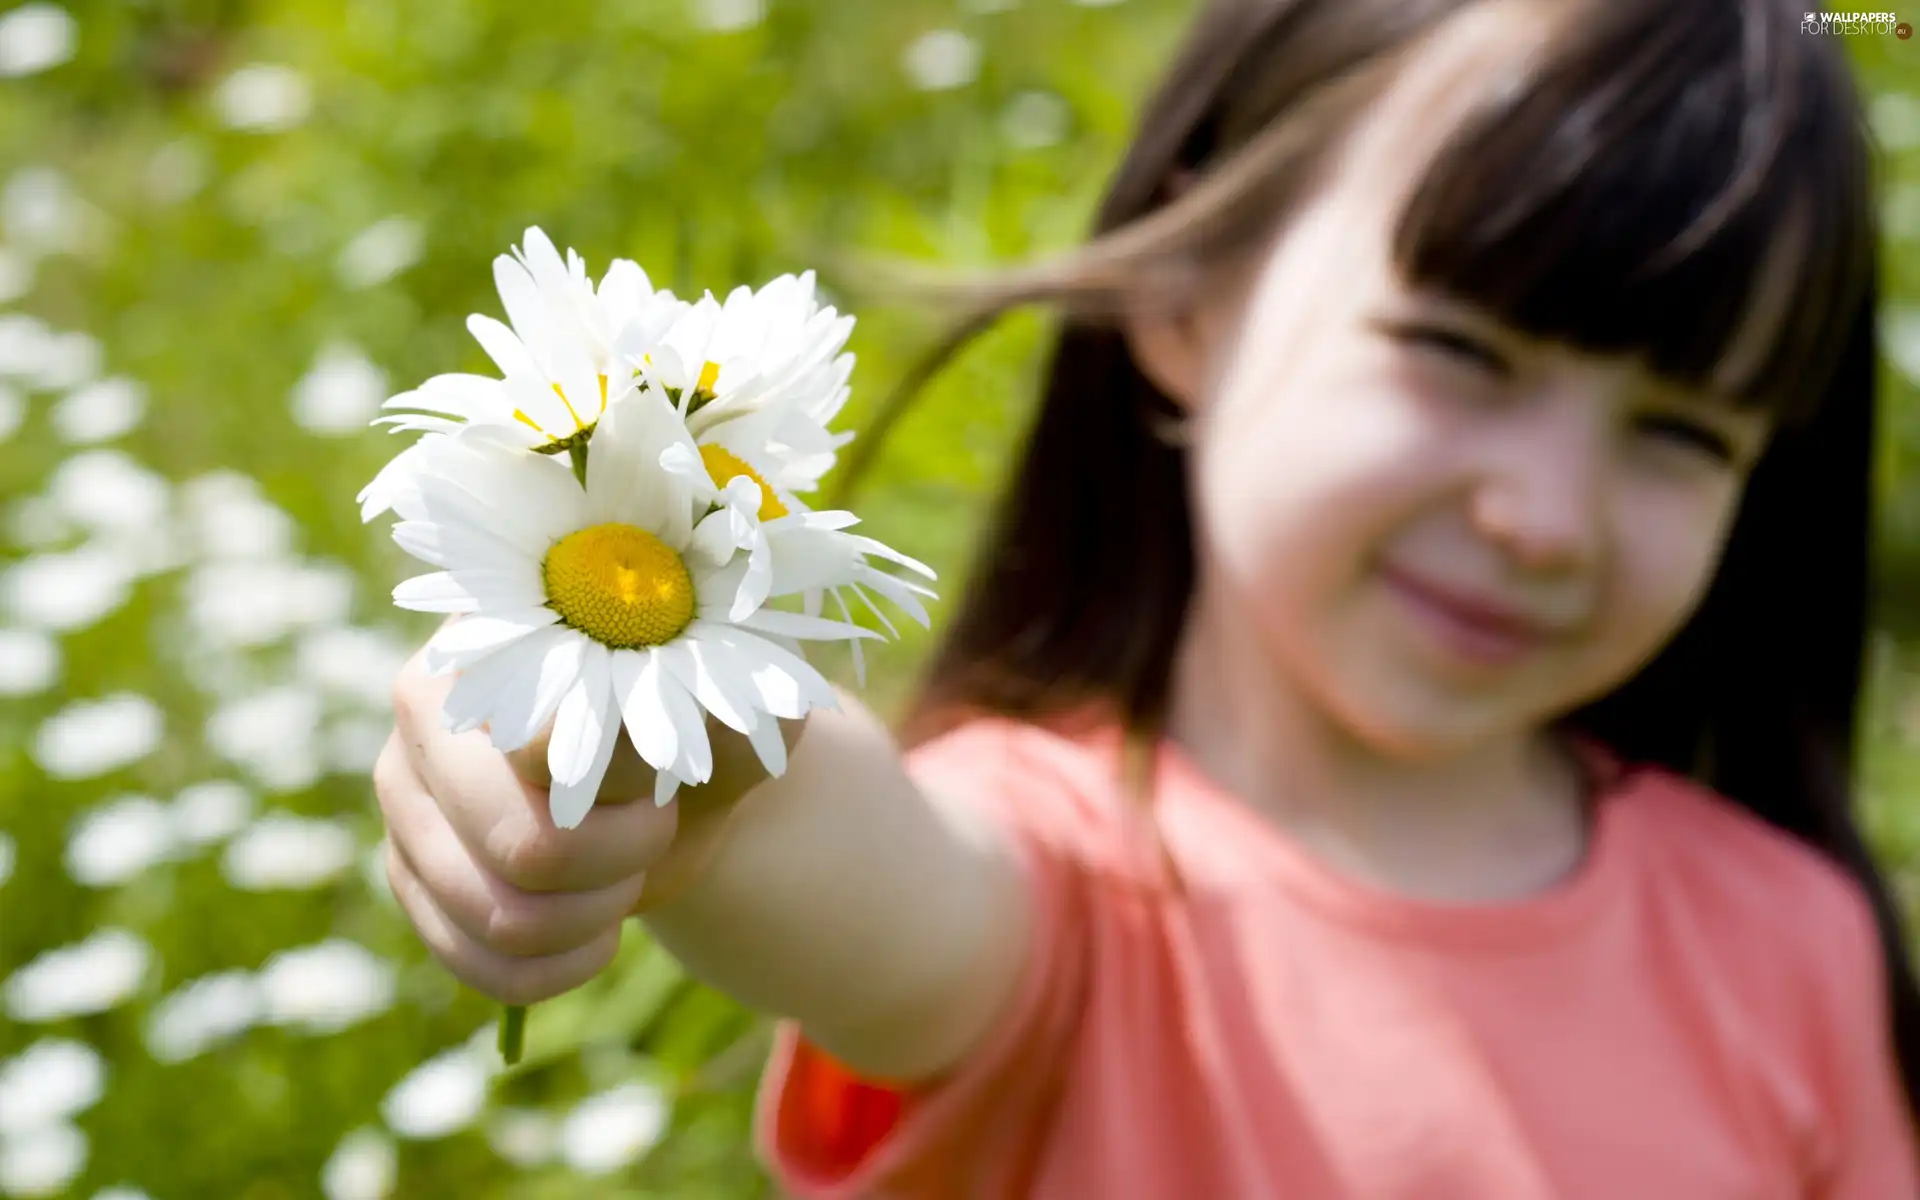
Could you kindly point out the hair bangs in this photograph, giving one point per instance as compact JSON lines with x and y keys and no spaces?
{"x":1682,"y":183}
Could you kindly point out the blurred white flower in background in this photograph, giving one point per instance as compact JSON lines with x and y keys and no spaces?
{"x":121,"y":1192}
{"x":238,"y":604}
{"x":942,"y":59}
{"x":441,"y":1096}
{"x":177,"y":171}
{"x":378,"y":253}
{"x":211,"y":811}
{"x":51,"y":1080}
{"x":68,"y":360}
{"x":227,"y":516}
{"x":263,"y":98}
{"x":29,"y":662}
{"x":85,"y":977}
{"x":525,"y":1137}
{"x":1900,"y":340}
{"x":353,"y":662}
{"x":16,"y":275}
{"x":326,"y":988}
{"x":365,"y":1166}
{"x":105,"y":491}
{"x":7,"y":854}
{"x":43,"y":359}
{"x":1895,"y":117}
{"x":42,"y":1161}
{"x":100,"y":412}
{"x":272,"y":734}
{"x":93,"y":737}
{"x":44,"y":215}
{"x":34,"y":38}
{"x":281,"y":851}
{"x":202,"y":1014}
{"x":988,"y":7}
{"x":120,"y":839}
{"x":730,"y":16}
{"x":340,"y":393}
{"x":352,"y":744}
{"x":1035,"y":120}
{"x":606,"y":1132}
{"x":13,"y":411}
{"x":62,"y":592}
{"x":1900,"y":214}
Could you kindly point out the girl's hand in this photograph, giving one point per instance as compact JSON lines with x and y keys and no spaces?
{"x":515,"y":907}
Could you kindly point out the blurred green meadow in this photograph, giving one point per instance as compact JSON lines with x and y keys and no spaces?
{"x":228,"y":230}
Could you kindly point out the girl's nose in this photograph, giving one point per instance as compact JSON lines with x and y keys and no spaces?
{"x":1539,"y":497}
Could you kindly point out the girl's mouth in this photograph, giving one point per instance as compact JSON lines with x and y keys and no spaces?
{"x":1469,"y":628}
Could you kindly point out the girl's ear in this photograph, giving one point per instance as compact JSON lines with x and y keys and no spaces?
{"x":1170,"y":351}
{"x":1163,"y":342}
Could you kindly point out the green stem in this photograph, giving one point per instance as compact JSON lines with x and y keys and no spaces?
{"x":513,"y":1032}
{"x":578,"y":451}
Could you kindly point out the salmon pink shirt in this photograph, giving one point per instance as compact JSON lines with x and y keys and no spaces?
{"x":1698,"y":1013}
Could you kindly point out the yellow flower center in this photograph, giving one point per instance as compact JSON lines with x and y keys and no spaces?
{"x":578,"y":423}
{"x":723,"y":466}
{"x":621,"y":586}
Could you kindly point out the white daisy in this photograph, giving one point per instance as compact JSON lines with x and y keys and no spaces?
{"x":590,"y":607}
{"x":794,"y":550}
{"x":559,"y":360}
{"x":761,"y":376}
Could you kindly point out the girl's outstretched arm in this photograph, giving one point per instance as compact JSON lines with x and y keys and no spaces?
{"x":890,"y":923}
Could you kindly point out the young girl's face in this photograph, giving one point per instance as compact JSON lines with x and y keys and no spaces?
{"x":1358,"y":446}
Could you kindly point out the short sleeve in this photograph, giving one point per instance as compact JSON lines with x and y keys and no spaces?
{"x":826,"y":1133}
{"x":1874,"y":1142}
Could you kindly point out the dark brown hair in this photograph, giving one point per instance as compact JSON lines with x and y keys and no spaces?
{"x":1664,"y":168}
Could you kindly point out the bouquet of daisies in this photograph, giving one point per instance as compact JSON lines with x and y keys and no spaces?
{"x":617,"y":516}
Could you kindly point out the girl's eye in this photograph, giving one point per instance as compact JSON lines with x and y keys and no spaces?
{"x":1456,"y":344}
{"x":1693,"y":435}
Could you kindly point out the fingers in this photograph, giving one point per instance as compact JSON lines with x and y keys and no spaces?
{"x":507,"y":979}
{"x":488,"y":910}
{"x":503,"y":820}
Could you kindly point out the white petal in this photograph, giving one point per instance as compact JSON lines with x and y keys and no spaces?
{"x":787,"y":685}
{"x":503,"y":346}
{"x":418,"y":423}
{"x":773,"y":620}
{"x":859,"y":658}
{"x":695,"y":764}
{"x":469,"y":591}
{"x":770,"y":743}
{"x":877,"y":614}
{"x":682,"y":460}
{"x":757,"y":582}
{"x":901,"y":593}
{"x":535,"y":694}
{"x":729,"y":528}
{"x":458,"y":547}
{"x":585,"y":732}
{"x":622,"y":482}
{"x":665,"y":785}
{"x":636,"y":688}
{"x":526,"y":309}
{"x":467,"y":641}
{"x":690,"y":665}
{"x":378,"y":496}
{"x":479,"y":692}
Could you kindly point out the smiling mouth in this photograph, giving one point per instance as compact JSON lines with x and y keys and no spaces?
{"x":1464,"y":628}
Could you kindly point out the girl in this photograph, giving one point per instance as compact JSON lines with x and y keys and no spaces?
{"x":1456,"y":524}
